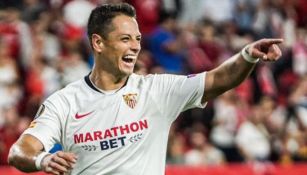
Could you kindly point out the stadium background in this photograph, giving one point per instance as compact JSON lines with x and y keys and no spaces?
{"x":258,"y":128}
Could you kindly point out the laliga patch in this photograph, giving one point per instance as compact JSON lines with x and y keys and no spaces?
{"x":130,"y":99}
{"x":40,"y":111}
{"x":191,"y":75}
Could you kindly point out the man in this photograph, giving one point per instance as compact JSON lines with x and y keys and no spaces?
{"x":166,"y":47}
{"x":117,"y":122}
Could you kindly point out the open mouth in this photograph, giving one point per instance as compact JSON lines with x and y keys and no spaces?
{"x":129,"y":58}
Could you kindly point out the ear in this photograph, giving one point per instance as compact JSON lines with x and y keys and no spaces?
{"x":97,"y":43}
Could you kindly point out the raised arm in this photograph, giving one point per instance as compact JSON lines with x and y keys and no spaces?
{"x":234,"y":71}
{"x":28,"y":155}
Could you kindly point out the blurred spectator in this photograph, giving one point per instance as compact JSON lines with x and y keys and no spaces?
{"x":301,"y":8}
{"x":202,"y":152}
{"x":47,"y":42}
{"x":286,"y":24}
{"x":76,"y":12}
{"x":9,"y":132}
{"x":243,"y":16}
{"x":266,"y":80}
{"x":176,"y":147}
{"x":192,"y":12}
{"x":72,"y":67}
{"x":41,"y":80}
{"x":9,"y":78}
{"x":167,"y":48}
{"x":299,"y":51}
{"x":261,"y":24}
{"x":274,"y":118}
{"x":147,"y":15}
{"x":226,"y":122}
{"x":293,"y":139}
{"x":218,"y":11}
{"x":18,"y":34}
{"x":298,"y":99}
{"x":253,"y":137}
{"x":209,"y":45}
{"x":31,"y":8}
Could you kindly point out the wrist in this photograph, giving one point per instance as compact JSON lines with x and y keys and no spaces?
{"x":39,"y":158}
{"x":247,"y":57}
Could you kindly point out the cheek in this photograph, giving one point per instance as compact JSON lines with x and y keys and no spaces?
{"x":118,"y":51}
{"x":114,"y":54}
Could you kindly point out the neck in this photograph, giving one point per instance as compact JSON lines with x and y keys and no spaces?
{"x":107,"y":81}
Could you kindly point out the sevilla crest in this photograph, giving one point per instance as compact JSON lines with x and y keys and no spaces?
{"x":130,"y":99}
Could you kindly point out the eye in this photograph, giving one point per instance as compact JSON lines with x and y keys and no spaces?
{"x":139,"y":39}
{"x":125,"y":39}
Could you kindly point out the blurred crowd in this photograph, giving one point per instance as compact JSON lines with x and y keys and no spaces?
{"x":44,"y":46}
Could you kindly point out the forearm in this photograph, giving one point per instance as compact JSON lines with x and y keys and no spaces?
{"x":227,"y":76}
{"x":27,"y":156}
{"x":234,"y":71}
{"x":22,"y":160}
{"x":23,"y":154}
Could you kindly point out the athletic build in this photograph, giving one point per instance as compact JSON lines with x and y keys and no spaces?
{"x":117,"y":122}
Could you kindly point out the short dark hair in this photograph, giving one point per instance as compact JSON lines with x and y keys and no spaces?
{"x":101,"y":18}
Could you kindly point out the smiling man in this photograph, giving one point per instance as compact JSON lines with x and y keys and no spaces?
{"x":114,"y":121}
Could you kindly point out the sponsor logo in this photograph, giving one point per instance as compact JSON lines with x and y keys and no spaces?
{"x":130,"y":99}
{"x":110,"y":138}
{"x":79,"y":116}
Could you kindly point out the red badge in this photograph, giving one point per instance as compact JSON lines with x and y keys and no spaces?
{"x":130,"y":99}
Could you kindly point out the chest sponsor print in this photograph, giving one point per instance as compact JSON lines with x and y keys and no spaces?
{"x":115,"y":137}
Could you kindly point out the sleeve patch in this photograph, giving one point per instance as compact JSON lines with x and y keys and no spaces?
{"x":32,"y":124}
{"x":40,"y":111}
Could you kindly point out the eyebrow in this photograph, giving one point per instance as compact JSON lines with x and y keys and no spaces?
{"x":137,"y":36}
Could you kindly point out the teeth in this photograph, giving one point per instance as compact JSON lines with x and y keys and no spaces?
{"x":129,"y":57}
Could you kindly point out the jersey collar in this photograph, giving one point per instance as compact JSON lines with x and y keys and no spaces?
{"x":89,"y":82}
{"x":92,"y":86}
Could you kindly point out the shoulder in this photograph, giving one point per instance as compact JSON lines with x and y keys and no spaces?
{"x":67,"y":92}
{"x":155,"y":77}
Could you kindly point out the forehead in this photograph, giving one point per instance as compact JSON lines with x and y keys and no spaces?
{"x":125,"y":25}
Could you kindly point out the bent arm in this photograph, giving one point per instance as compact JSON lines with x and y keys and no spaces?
{"x":23,"y":153}
{"x":235,"y":70}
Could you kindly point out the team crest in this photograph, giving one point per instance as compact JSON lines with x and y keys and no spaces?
{"x":130,"y":99}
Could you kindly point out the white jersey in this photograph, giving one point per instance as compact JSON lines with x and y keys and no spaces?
{"x":124,"y":132}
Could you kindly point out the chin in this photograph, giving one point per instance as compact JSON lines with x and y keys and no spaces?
{"x":127,"y":71}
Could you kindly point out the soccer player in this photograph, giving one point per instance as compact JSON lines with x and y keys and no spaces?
{"x":114,"y":121}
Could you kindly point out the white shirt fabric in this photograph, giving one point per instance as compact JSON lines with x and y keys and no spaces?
{"x":108,"y":136}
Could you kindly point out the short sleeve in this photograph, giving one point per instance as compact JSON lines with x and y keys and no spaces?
{"x":177,"y":93}
{"x":46,"y":126}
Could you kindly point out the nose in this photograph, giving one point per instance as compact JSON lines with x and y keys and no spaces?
{"x":135,"y":46}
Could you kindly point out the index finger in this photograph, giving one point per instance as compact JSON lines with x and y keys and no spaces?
{"x":272,"y":41}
